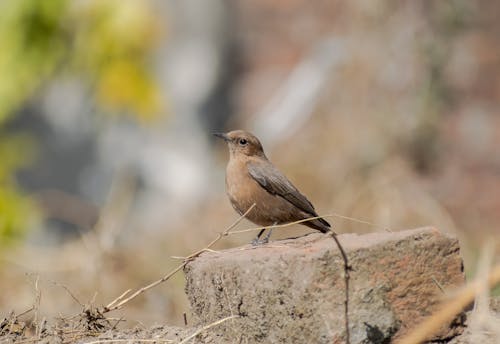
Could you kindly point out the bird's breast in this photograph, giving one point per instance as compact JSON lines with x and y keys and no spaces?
{"x":240,"y":186}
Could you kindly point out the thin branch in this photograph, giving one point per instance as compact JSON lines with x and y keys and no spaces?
{"x":347,"y":268}
{"x":205,"y":250}
{"x":69,"y":292}
{"x":204,"y":328}
{"x":120,"y":301}
{"x":119,"y":298}
{"x":143,"y":289}
{"x":25,"y":312}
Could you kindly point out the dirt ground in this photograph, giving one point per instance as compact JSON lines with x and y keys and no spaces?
{"x":87,"y":327}
{"x":91,"y":328}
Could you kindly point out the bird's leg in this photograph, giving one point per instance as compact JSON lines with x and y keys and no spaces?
{"x":256,"y":241}
{"x":268,"y":235}
{"x":260,"y":233}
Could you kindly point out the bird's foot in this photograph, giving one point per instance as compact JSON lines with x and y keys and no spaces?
{"x":258,"y":242}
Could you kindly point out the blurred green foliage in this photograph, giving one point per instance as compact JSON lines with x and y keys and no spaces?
{"x":105,"y":44}
{"x":112,"y":42}
{"x":32,"y":44}
{"x":16,"y":210}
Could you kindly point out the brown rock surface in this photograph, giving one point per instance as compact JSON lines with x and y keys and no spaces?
{"x":293,"y":290}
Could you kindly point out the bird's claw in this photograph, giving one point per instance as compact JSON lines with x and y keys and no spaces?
{"x":257,"y":242}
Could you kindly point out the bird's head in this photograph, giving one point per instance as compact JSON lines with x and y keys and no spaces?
{"x":241,"y":142}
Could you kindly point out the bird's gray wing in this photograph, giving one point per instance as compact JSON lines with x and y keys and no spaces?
{"x":271,"y":179}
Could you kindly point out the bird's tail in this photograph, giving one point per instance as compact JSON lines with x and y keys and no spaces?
{"x":320,"y":224}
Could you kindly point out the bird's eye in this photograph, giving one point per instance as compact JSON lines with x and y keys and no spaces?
{"x":242,"y":142}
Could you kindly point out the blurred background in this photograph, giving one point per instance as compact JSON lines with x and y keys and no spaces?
{"x":384,"y":111}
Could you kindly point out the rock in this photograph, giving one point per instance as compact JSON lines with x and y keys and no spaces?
{"x":293,"y":290}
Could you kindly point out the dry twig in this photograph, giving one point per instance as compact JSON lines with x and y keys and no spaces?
{"x":69,"y":293}
{"x":204,"y":328}
{"x":121,"y":300}
{"x":347,"y":268}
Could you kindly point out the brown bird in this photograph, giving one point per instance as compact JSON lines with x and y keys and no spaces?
{"x":252,"y":178}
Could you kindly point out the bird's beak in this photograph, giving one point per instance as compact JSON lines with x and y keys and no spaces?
{"x":222,"y":136}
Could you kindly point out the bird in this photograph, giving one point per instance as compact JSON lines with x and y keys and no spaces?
{"x":252,"y":179}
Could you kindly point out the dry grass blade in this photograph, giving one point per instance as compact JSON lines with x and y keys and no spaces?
{"x":144,"y":289}
{"x":253,"y":229}
{"x":131,"y":340}
{"x":119,"y":301}
{"x":119,"y":298}
{"x":204,"y":328}
{"x":450,"y":309}
{"x":353,"y":219}
{"x":69,"y":293}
